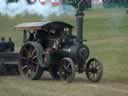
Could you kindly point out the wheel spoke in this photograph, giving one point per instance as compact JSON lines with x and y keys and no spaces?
{"x":66,"y":67}
{"x":97,"y":66}
{"x":94,"y":70}
{"x":34,"y":57}
{"x":25,"y":67}
{"x":25,"y":49}
{"x":30,"y":64}
{"x":30,"y":50}
{"x":30,"y":60}
{"x":90,"y":75}
{"x":93,"y":76}
{"x":28,"y":73}
{"x":33,"y":53}
{"x":67,"y":70}
{"x":91,"y":65}
{"x":23,"y":58}
{"x":94,"y":63}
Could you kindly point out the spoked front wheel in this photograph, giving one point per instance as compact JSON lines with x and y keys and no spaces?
{"x":67,"y":70}
{"x":94,"y":70}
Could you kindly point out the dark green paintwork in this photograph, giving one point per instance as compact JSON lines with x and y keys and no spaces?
{"x":55,"y":57}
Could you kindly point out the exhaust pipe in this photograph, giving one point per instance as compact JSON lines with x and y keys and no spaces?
{"x":80,"y":22}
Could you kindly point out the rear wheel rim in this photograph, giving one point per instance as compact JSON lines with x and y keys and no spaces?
{"x":29,"y":61}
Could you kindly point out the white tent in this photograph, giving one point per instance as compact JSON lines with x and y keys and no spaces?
{"x":42,"y":1}
{"x":55,"y":2}
{"x":97,"y":3}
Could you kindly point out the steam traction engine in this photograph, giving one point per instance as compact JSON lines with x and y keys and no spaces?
{"x":52,"y":47}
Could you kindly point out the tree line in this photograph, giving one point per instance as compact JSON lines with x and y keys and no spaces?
{"x":115,"y":3}
{"x":106,"y":3}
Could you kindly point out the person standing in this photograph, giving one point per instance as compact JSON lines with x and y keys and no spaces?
{"x":3,"y":45}
{"x":11,"y":45}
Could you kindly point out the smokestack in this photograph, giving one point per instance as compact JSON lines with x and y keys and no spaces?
{"x":80,"y":21}
{"x":82,"y":4}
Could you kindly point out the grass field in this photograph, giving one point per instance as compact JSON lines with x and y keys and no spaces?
{"x":107,"y":34}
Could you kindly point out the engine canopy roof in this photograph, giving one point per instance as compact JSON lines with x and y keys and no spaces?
{"x":56,"y":25}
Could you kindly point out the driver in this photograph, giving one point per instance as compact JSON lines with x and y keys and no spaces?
{"x":42,"y":36}
{"x":11,"y":44}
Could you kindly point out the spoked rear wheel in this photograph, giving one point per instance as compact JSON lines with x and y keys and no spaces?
{"x":67,"y":70}
{"x":94,"y":70}
{"x":30,"y":60}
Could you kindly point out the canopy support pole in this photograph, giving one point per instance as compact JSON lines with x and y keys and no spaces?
{"x":25,"y":36}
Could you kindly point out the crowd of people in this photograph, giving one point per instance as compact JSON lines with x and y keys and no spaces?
{"x":7,"y":46}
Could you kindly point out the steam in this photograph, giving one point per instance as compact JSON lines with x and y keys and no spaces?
{"x":23,"y":8}
{"x":116,"y":20}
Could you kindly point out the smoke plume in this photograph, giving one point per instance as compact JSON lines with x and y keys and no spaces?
{"x":22,"y":8}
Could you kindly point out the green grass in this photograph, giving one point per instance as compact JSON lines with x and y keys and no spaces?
{"x":107,"y":34}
